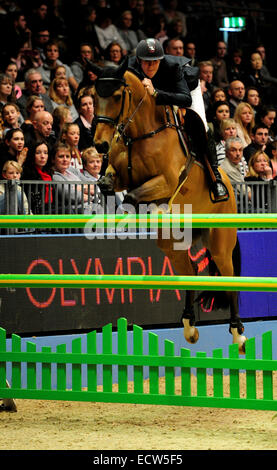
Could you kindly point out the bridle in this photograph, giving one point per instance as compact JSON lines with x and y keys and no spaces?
{"x":121,"y":128}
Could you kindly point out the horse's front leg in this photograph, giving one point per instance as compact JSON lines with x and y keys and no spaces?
{"x":191,"y":333}
{"x":153,"y":190}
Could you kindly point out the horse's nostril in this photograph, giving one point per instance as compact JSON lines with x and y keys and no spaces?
{"x":103,"y":147}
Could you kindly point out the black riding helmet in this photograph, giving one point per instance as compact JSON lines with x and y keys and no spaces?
{"x":149,"y":49}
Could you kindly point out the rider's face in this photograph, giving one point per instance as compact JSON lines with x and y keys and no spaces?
{"x":150,"y":67}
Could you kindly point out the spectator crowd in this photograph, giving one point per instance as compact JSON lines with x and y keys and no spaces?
{"x":47,"y":123}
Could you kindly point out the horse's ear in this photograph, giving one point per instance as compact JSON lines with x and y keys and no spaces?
{"x":93,"y":67}
{"x":122,"y":68}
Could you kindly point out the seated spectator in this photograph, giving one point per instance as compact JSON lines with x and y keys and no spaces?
{"x":220,"y":78}
{"x":190,"y":52}
{"x":235,"y":66}
{"x":72,"y":198}
{"x":234,"y":164}
{"x":259,"y":169}
{"x":113,"y":55}
{"x":58,"y":72}
{"x":59,"y":92}
{"x":174,"y":47}
{"x":107,"y":32}
{"x":52,"y":60}
{"x":11,"y":117}
{"x":92,"y":163}
{"x":78,"y":66}
{"x":172,"y":15}
{"x":11,"y":69}
{"x":236,"y":94}
{"x":13,"y":200}
{"x":267,"y":115}
{"x":33,"y":86}
{"x":219,"y":112}
{"x":228,"y":128}
{"x":37,"y":168}
{"x":271,"y":151}
{"x":253,"y":98}
{"x":258,"y":77}
{"x":7,"y":93}
{"x":244,"y":117}
{"x":61,"y":116}
{"x":259,"y":136}
{"x":13,"y":147}
{"x":206,"y":77}
{"x":85,"y":121}
{"x":41,"y":129}
{"x":34,"y":104}
{"x":126,"y":31}
{"x":71,"y":135}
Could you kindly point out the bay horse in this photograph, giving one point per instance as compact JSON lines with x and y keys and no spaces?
{"x":146,"y":157}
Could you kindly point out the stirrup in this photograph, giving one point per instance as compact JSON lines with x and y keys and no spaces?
{"x":218,"y":191}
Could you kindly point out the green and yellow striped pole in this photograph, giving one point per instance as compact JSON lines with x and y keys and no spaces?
{"x":218,"y":283}
{"x":140,"y":221}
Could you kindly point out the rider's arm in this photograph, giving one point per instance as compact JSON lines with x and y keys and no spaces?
{"x":177,"y":92}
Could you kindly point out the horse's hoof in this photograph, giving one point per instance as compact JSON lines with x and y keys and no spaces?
{"x":191,"y":333}
{"x":129,"y":199}
{"x":242,"y":345}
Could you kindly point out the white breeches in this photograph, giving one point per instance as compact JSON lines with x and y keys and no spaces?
{"x":198,"y":104}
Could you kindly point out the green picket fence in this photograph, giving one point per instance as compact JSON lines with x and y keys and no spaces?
{"x":217,"y":381}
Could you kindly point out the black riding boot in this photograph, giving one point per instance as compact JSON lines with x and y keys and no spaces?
{"x":217,"y":188}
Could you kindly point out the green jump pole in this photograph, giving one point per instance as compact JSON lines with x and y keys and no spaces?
{"x":250,"y":284}
{"x":105,"y":221}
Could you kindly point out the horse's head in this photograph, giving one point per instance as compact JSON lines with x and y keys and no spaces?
{"x":110,"y":88}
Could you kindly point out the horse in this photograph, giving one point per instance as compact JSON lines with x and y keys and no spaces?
{"x":148,"y":158}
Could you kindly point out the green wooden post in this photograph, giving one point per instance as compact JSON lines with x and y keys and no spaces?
{"x":16,"y":366}
{"x":201,"y":376}
{"x":77,"y":368}
{"x":31,"y":368}
{"x":250,"y":353}
{"x":61,"y":369}
{"x":234,"y":373}
{"x":185,"y":375}
{"x":138,"y":351}
{"x":107,"y":349}
{"x":46,"y":371}
{"x":2,"y":363}
{"x":153,"y":370}
{"x":122,"y":351}
{"x":169,"y":371}
{"x":267,"y":375}
{"x":92,"y":368}
{"x":218,"y":375}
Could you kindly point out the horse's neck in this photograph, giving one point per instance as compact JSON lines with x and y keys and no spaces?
{"x":146,"y":115}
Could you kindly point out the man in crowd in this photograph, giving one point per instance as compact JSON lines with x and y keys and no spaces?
{"x":259,"y":136}
{"x":236,"y":92}
{"x":33,"y":86}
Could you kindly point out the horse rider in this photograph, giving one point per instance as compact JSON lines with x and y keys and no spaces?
{"x":171,"y":81}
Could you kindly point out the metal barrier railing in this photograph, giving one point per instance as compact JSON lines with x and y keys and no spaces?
{"x":75,"y":197}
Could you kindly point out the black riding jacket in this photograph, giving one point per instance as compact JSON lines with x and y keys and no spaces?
{"x":169,"y":82}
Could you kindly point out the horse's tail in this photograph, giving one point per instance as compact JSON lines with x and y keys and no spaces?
{"x":236,"y":258}
{"x":210,"y":300}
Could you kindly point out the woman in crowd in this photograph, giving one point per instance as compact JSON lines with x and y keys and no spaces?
{"x":13,"y":147}
{"x":37,"y":168}
{"x":85,"y":121}
{"x":11,"y":117}
{"x":71,"y":135}
{"x":60,"y":94}
{"x":7,"y":93}
{"x":113,"y":55}
{"x":228,"y":128}
{"x":259,"y":169}
{"x":220,"y":111}
{"x":72,"y":198}
{"x":244,"y":117}
{"x":253,"y":98}
{"x":272,"y":153}
{"x":61,"y":116}
{"x":11,"y":69}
